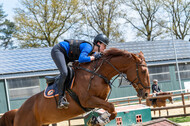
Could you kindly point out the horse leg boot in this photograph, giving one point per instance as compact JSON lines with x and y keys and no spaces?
{"x":100,"y":120}
{"x":96,"y":102}
{"x":62,"y":98}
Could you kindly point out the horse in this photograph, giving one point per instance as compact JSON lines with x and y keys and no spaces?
{"x":160,"y":101}
{"x":90,"y":87}
{"x":8,"y":118}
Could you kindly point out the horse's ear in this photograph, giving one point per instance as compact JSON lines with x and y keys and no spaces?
{"x":137,"y":59}
{"x":141,"y":53}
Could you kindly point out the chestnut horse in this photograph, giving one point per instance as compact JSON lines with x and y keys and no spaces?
{"x":38,"y":110}
{"x":160,"y":101}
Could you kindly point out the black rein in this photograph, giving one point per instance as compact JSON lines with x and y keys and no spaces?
{"x":94,"y":72}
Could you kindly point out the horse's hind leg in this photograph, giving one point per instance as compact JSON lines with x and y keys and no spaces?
{"x":8,"y":118}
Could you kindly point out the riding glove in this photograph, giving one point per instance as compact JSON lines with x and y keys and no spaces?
{"x":97,"y":55}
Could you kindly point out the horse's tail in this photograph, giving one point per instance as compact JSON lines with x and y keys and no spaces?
{"x":8,"y":118}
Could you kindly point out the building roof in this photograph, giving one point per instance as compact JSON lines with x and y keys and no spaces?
{"x":39,"y":59}
{"x":26,"y":60}
{"x":158,"y":50}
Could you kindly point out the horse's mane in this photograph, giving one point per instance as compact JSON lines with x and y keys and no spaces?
{"x":116,"y":52}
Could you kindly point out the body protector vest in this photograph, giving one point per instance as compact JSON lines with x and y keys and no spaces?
{"x":74,"y":51}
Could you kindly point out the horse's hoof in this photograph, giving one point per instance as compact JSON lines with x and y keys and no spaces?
{"x":92,"y":121}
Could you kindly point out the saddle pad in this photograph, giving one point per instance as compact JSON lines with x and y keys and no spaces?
{"x":52,"y":90}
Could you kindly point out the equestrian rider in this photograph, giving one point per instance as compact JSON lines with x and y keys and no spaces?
{"x":71,"y":50}
{"x":155,"y":86}
{"x":155,"y":90}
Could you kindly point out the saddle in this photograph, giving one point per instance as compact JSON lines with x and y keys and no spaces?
{"x":51,"y":79}
{"x":51,"y":89}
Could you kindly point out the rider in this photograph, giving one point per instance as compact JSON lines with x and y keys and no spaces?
{"x":155,"y":90}
{"x":70,"y":50}
{"x":155,"y":86}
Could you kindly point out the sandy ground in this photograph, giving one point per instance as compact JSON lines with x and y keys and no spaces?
{"x":172,"y":111}
{"x":163,"y":113}
{"x":73,"y":122}
{"x":184,"y":124}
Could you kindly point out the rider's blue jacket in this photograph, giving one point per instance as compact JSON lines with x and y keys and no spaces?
{"x":85,"y":49}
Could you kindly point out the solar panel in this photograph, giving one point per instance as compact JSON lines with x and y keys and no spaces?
{"x":158,"y":50}
{"x":39,"y":59}
{"x":25,"y":60}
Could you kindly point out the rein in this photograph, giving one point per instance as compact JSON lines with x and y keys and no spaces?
{"x":94,"y":72}
{"x":139,"y":80}
{"x":137,"y":77}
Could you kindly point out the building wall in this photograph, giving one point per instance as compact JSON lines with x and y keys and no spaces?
{"x":169,"y":85}
{"x":42,"y":83}
{"x":15,"y":103}
{"x":172,"y":84}
{"x":3,"y":98}
{"x":116,"y":92}
{"x":121,"y":92}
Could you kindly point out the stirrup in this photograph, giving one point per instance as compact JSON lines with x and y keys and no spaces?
{"x":63,"y":103}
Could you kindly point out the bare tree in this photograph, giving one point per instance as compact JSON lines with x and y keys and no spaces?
{"x":179,"y":12}
{"x":102,"y":16}
{"x":41,"y":22}
{"x":141,"y":14}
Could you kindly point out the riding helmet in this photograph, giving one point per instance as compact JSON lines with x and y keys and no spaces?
{"x":101,"y":38}
{"x":155,"y":80}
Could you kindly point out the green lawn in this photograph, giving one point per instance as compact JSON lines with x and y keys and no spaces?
{"x":180,"y":119}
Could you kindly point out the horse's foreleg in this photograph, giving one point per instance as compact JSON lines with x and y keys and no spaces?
{"x":95,"y":102}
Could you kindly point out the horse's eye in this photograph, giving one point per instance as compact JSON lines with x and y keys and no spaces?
{"x":144,"y":71}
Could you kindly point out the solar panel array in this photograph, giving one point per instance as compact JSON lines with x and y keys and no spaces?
{"x":26,"y":60}
{"x":39,"y":59}
{"x":158,"y":50}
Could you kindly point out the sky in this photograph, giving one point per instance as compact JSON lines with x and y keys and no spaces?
{"x":8,"y":6}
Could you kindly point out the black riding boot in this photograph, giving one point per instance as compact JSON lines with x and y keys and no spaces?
{"x":62,"y":97}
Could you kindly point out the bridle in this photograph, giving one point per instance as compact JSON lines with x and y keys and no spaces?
{"x":131,"y":82}
{"x":95,"y":72}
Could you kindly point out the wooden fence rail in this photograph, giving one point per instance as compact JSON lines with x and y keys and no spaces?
{"x":135,"y":100}
{"x":184,"y":106}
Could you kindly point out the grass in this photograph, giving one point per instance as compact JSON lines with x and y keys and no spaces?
{"x":180,"y":119}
